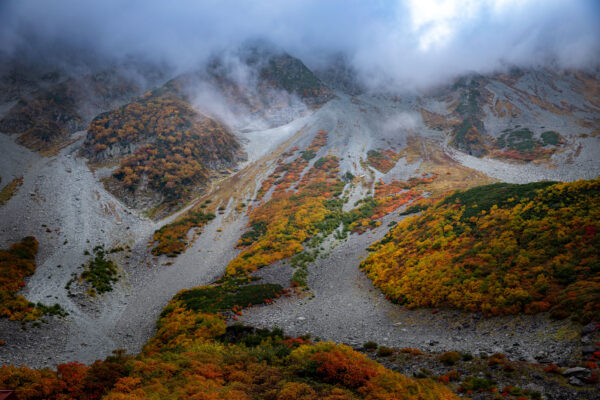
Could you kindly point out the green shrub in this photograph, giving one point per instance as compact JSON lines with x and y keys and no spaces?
{"x":308,"y":154}
{"x":484,"y":197}
{"x":450,"y":357}
{"x":550,"y":137}
{"x":475,"y":384}
{"x":320,"y":162}
{"x":100,"y":272}
{"x":223,"y":297}
{"x":370,"y":346}
{"x":55,"y":309}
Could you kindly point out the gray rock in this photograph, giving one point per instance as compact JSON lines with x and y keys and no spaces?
{"x":575,"y":381}
{"x":576,"y":371}
{"x":542,"y":358}
{"x":534,"y":387}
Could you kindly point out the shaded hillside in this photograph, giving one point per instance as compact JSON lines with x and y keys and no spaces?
{"x":338,"y":73}
{"x":48,"y":115}
{"x":273,"y":87}
{"x":285,"y":72}
{"x":521,"y":116}
{"x":498,"y":249}
{"x":17,"y":263}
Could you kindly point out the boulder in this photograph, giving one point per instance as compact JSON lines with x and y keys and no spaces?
{"x":575,"y":381}
{"x":576,"y":371}
{"x":589,"y":349}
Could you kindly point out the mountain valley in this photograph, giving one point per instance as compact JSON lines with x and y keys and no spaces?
{"x":403,"y":225}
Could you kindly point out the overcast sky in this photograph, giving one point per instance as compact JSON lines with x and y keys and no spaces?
{"x":411,"y":41}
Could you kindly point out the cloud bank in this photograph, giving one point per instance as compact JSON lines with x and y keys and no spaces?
{"x":394,"y":42}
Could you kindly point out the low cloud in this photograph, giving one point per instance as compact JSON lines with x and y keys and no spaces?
{"x":403,"y":44}
{"x":402,"y":121}
{"x":230,"y":91}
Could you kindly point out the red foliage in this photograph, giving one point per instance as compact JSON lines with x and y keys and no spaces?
{"x":287,"y":174}
{"x":552,"y":368}
{"x":337,"y":367}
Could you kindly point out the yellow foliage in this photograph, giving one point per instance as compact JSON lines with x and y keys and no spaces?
{"x":501,"y":259}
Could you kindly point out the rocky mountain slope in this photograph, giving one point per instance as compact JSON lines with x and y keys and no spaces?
{"x":521,"y":115}
{"x":324,"y":175}
{"x":169,"y":142}
{"x":47,"y":115}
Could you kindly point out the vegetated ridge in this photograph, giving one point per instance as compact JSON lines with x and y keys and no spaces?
{"x":163,"y":144}
{"x":498,"y":249}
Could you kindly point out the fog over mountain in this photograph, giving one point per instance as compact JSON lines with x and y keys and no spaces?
{"x":300,"y":199}
{"x":404,"y":43}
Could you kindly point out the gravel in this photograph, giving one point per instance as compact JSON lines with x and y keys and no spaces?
{"x":343,"y":306}
{"x":63,"y":194}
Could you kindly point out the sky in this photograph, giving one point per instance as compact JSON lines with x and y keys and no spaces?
{"x":398,"y":42}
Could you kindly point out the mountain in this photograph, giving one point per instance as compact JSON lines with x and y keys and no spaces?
{"x":167,"y":143}
{"x":253,"y":228}
{"x":521,"y":115}
{"x":48,"y":114}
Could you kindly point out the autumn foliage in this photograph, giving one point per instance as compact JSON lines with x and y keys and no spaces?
{"x":382,"y":160}
{"x":171,"y":239}
{"x":301,"y":203}
{"x":498,"y":249}
{"x":294,"y":211}
{"x":17,"y":263}
{"x":166,"y":144}
{"x":195,"y":355}
{"x":71,"y":380}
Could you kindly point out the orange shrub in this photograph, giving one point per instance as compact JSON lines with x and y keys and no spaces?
{"x":17,"y":263}
{"x":183,"y":146}
{"x":498,"y":249}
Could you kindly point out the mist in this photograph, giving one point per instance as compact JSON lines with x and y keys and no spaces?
{"x":398,"y":44}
